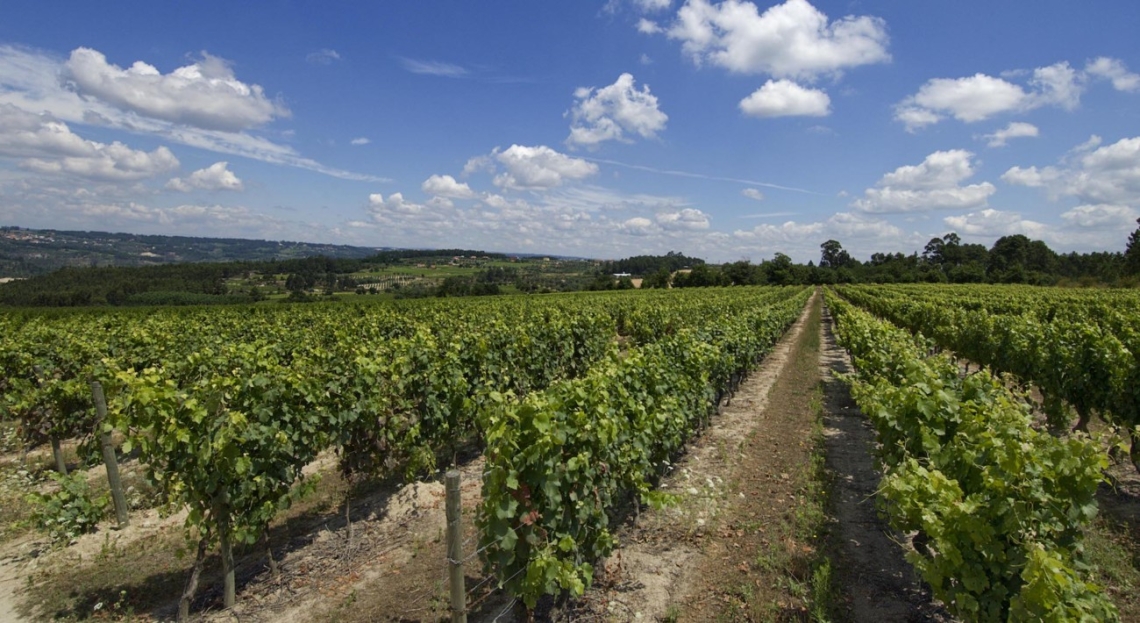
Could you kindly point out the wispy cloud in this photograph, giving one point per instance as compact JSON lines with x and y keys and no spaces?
{"x":700,"y":176}
{"x":322,"y":57}
{"x":434,"y":68}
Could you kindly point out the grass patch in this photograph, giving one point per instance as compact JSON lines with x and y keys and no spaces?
{"x":1115,"y":555}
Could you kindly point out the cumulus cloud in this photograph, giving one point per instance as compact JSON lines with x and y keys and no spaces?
{"x":789,"y":40}
{"x":990,"y":223}
{"x":967,"y":99}
{"x":934,"y":184}
{"x":204,"y":94}
{"x":1101,"y":216}
{"x":981,"y":96}
{"x":860,"y":233}
{"x":1016,"y":129}
{"x":613,"y":113}
{"x":784,"y":98}
{"x":752,"y":193}
{"x":688,"y":219}
{"x":30,"y":80}
{"x":648,"y":27}
{"x":49,"y":146}
{"x":395,"y":203}
{"x":1085,"y":227}
{"x":1114,"y":70}
{"x":447,"y":186}
{"x":1058,"y":85}
{"x":322,"y":57}
{"x":1098,"y":175}
{"x":520,"y":167}
{"x":653,"y":5}
{"x":214,"y":177}
{"x":637,"y":226}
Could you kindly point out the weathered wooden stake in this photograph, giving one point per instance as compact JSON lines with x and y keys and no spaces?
{"x":223,"y":514}
{"x":57,"y":452}
{"x":109,"y":456}
{"x":455,"y":549}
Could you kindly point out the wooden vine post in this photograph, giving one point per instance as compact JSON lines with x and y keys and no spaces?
{"x":222,"y":515}
{"x":57,"y":453}
{"x":109,"y":456}
{"x":455,"y":549}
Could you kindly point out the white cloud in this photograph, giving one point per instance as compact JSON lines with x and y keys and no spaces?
{"x":1099,"y":175}
{"x":1029,"y":176}
{"x":653,"y":5}
{"x":648,"y":27}
{"x":49,"y":146}
{"x":447,"y":186}
{"x":1059,"y":85}
{"x":914,"y":117}
{"x":966,"y":99}
{"x":214,"y":177}
{"x":789,"y":40}
{"x":934,"y":184}
{"x":784,"y":98}
{"x":538,"y":167}
{"x":30,"y":81}
{"x":752,"y":193}
{"x":860,"y":234}
{"x":614,"y":112}
{"x":688,"y":219}
{"x":434,"y":68}
{"x":395,"y":203}
{"x":1113,"y":69}
{"x":322,"y":57}
{"x":981,"y":96}
{"x":990,"y":223}
{"x":360,"y":141}
{"x":1085,"y":227}
{"x":204,"y":94}
{"x":1089,"y":145}
{"x":1016,"y":129}
{"x":1101,"y":216}
{"x":637,"y":226}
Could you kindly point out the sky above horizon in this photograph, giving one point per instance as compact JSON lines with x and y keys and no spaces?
{"x":724,"y":130}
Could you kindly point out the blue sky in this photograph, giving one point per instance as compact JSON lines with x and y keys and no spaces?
{"x":725,"y":130}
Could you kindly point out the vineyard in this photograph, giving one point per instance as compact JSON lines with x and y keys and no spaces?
{"x":579,"y":409}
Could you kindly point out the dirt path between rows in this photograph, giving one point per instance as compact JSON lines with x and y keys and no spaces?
{"x":749,"y":535}
{"x":876,"y":583}
{"x":651,"y":575}
{"x":9,"y":582}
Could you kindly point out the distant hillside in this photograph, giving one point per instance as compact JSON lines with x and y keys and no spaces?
{"x":30,"y":252}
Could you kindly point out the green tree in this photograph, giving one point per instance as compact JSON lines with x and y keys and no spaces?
{"x":659,"y":279}
{"x":832,"y":255}
{"x":1132,"y":253}
{"x":781,"y":271}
